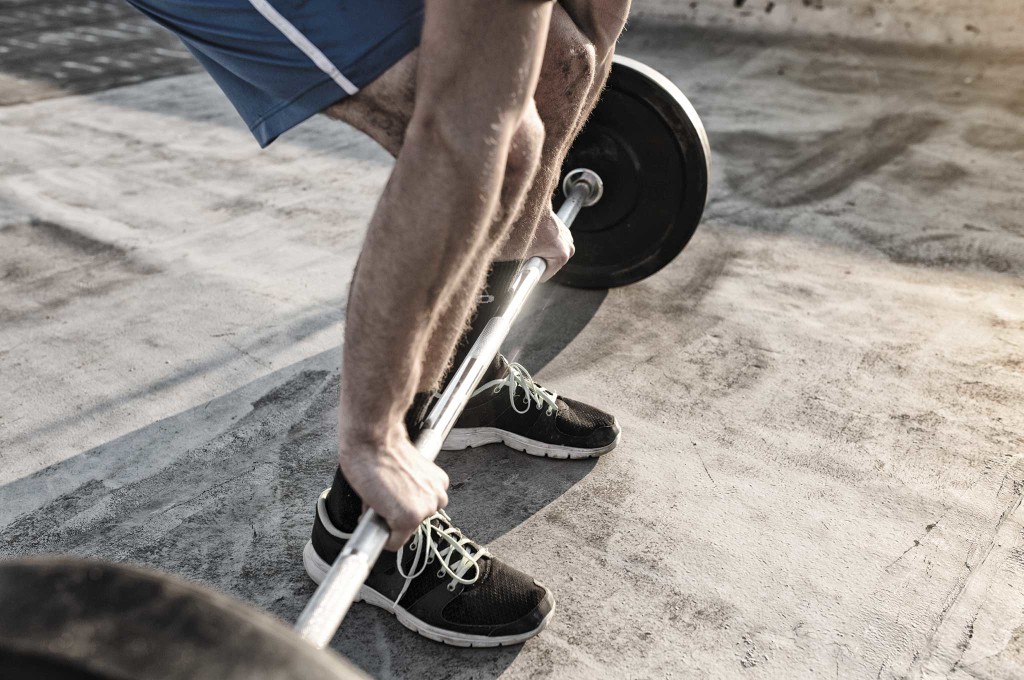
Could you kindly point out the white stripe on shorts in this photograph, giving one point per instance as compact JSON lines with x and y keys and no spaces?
{"x":304,"y":44}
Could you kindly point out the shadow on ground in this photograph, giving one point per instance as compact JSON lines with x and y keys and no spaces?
{"x":552,"y":319}
{"x":223,"y":494}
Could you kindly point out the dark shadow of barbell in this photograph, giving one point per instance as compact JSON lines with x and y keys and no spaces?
{"x":551,"y":320}
{"x":223,"y":494}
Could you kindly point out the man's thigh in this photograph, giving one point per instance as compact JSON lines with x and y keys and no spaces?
{"x":384,"y":108}
{"x":601,"y":21}
{"x":466,"y":61}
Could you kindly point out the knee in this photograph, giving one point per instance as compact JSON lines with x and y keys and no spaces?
{"x":602,"y":22}
{"x":524,"y":153}
{"x":574,"y":61}
{"x":524,"y":159}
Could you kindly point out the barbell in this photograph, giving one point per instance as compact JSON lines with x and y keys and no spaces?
{"x":634,"y":190}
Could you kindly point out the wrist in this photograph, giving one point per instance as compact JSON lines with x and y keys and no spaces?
{"x":360,"y":444}
{"x":368,"y":424}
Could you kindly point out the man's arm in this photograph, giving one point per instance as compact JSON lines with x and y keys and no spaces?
{"x":478,"y":68}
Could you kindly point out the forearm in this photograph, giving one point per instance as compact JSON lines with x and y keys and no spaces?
{"x":428,"y":229}
{"x":536,"y":205}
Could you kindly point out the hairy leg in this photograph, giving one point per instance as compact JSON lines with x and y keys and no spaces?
{"x":431,"y":228}
{"x":382,"y":110}
{"x":456,"y":317}
{"x":576,"y":67}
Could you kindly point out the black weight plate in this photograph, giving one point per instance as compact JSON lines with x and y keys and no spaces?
{"x":67,"y":619}
{"x":650,"y":148}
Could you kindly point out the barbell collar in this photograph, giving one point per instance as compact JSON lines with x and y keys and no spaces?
{"x":582,"y":188}
{"x":589,"y":180}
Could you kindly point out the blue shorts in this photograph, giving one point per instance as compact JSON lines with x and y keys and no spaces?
{"x":281,"y":61}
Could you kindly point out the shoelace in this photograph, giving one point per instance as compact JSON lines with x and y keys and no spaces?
{"x":425,"y":549}
{"x":518,"y":377}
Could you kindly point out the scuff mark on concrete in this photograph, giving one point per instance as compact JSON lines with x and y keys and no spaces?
{"x":796,"y":171}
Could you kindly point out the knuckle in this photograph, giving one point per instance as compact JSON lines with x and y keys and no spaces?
{"x":407,"y":521}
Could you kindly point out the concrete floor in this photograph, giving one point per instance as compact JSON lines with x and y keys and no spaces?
{"x":822,"y":468}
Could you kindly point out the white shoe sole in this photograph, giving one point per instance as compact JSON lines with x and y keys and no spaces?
{"x":471,"y":437}
{"x":317,"y":570}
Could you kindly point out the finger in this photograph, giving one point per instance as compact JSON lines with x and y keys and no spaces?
{"x":555,"y":258}
{"x":442,"y":501}
{"x":398,"y":538}
{"x":395,"y":544}
{"x":565,"y":236}
{"x":555,"y":264}
{"x":409,"y":519}
{"x":564,"y":232}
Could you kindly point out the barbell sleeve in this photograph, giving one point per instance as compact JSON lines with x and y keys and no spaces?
{"x":328,"y":606}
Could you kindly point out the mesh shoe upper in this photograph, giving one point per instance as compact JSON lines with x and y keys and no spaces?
{"x":503,"y":593}
{"x":514,"y":402}
{"x":487,"y":598}
{"x":580,"y":420}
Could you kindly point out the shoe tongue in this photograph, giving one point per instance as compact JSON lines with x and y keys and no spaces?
{"x":484,"y":565}
{"x":496,"y":371}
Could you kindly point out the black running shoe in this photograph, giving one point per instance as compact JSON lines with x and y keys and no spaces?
{"x":514,"y":410}
{"x":441,"y":584}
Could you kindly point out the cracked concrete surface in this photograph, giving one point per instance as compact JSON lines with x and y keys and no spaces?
{"x":822,"y":468}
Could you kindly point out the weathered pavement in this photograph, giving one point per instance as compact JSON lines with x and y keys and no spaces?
{"x":822,"y":470}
